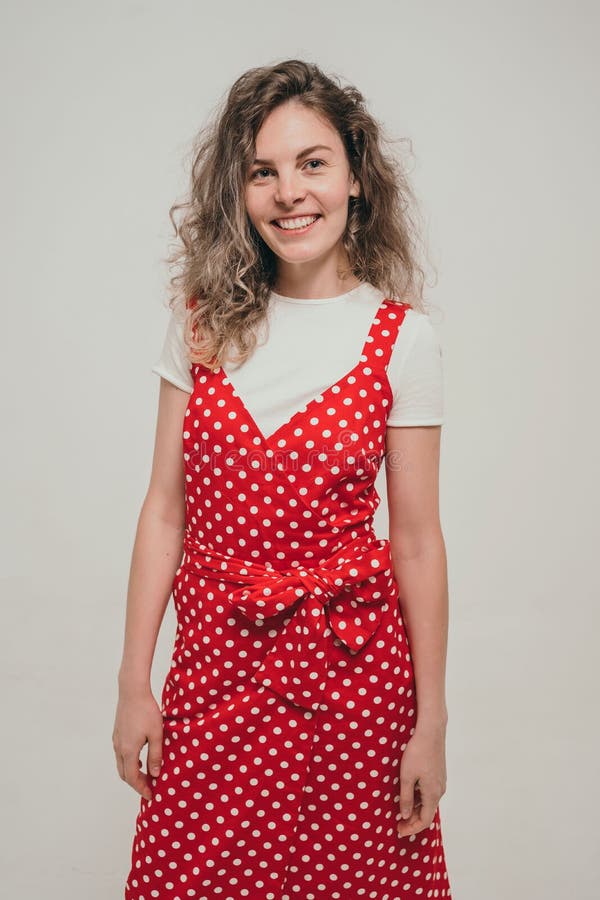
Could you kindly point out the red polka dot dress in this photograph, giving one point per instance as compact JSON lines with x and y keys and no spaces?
{"x":291,"y":695}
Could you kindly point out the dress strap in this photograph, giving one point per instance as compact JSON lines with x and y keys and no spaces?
{"x":378,"y":347}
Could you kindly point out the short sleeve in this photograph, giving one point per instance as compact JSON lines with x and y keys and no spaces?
{"x":415,"y":374}
{"x":173,"y":363}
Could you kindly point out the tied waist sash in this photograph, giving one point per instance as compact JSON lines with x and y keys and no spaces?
{"x":343,"y":594}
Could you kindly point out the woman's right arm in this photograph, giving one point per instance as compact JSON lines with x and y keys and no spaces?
{"x":157,"y":553}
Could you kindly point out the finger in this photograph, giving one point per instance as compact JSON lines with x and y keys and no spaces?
{"x":420,"y":819}
{"x":408,"y":826}
{"x":136,"y":779}
{"x":118,"y":758}
{"x":427,"y":800}
{"x":407,"y":798}
{"x":427,"y":811}
{"x":154,"y":759}
{"x":411,"y":824}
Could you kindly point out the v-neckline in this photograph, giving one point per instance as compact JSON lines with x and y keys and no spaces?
{"x":267,"y":440}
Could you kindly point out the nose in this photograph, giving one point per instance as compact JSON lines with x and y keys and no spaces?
{"x":289,"y":189}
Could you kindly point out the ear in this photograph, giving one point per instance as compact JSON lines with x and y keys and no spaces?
{"x":355,"y":187}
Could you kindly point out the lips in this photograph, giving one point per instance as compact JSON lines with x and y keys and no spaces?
{"x":296,"y":216}
{"x":296,"y":223}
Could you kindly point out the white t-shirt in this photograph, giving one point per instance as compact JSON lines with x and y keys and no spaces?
{"x":304,"y":346}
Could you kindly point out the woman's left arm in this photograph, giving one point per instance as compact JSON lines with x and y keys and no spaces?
{"x":419,"y":560}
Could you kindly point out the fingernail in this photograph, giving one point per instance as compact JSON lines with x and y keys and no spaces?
{"x":155,"y":770}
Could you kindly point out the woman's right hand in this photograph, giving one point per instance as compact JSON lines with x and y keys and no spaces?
{"x":138,"y":721}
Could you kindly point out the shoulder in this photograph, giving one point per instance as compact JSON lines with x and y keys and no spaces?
{"x":173,"y":363}
{"x":415,"y":373}
{"x":417,"y":337}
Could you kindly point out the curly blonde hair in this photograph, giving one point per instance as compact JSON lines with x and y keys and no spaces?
{"x":224,"y":271}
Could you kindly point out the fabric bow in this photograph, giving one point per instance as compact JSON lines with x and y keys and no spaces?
{"x":342,"y":594}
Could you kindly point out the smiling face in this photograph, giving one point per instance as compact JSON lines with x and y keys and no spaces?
{"x":297,"y":191}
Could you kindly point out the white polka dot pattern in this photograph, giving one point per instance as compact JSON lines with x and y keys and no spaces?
{"x":290,"y":697}
{"x":349,"y":578}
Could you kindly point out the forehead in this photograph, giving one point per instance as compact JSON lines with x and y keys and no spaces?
{"x":290,"y":128}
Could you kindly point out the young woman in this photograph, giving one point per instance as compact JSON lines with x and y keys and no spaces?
{"x":298,"y":749}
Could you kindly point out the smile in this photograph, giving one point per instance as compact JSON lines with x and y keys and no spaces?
{"x":296,"y":226}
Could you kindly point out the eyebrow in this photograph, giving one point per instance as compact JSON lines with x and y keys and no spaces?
{"x":265,"y":162}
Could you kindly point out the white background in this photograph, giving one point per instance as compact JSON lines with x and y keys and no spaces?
{"x":500,"y":100}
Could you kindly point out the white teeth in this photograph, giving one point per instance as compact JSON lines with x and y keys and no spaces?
{"x":296,"y":223}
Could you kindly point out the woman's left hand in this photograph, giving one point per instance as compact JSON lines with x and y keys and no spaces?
{"x":423,"y":760}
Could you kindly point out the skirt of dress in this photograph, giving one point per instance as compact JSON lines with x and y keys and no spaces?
{"x":263,"y":800}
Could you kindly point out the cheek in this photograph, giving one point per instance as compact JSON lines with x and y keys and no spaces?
{"x":256,"y":211}
{"x":334,"y":197}
{"x":249,"y":209}
{"x":251,"y":205}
